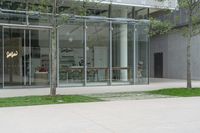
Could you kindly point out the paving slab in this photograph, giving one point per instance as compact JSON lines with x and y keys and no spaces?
{"x":170,"y":115}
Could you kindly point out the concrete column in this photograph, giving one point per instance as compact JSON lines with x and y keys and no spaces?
{"x":124,"y":47}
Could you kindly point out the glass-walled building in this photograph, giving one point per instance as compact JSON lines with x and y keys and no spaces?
{"x":106,"y":45}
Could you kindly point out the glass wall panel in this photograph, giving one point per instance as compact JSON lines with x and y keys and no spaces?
{"x":39,"y":62}
{"x":71,"y":55}
{"x":97,"y":52}
{"x":13,"y":64}
{"x":39,"y":19}
{"x":1,"y":59}
{"x":122,"y":53}
{"x":142,"y":53}
{"x":12,"y":17}
{"x":131,"y":46}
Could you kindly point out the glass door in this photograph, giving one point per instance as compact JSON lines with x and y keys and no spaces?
{"x":26,"y":57}
{"x":14,"y":42}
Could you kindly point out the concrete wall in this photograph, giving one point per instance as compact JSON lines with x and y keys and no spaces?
{"x":173,"y":46}
{"x":157,"y":45}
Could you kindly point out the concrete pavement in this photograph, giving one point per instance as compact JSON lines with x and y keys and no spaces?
{"x":154,"y":84}
{"x":172,"y":115}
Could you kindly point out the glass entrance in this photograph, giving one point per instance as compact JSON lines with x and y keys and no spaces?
{"x":13,"y":56}
{"x":26,"y":57}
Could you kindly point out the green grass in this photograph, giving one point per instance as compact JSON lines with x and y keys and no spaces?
{"x":43,"y":100}
{"x":180,"y":92}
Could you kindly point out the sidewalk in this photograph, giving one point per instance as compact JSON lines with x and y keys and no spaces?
{"x":170,"y":115}
{"x":154,"y":84}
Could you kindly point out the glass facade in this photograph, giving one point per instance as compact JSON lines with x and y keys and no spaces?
{"x":95,"y":52}
{"x":91,"y":50}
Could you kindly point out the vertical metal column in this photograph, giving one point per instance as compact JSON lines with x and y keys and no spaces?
{"x":110,"y":54}
{"x":134,"y":47}
{"x":133,"y":52}
{"x":50,"y":57}
{"x":24,"y":57}
{"x":58,"y":58}
{"x":85,"y":53}
{"x":30,"y":62}
{"x":3,"y":52}
{"x":25,"y":75}
{"x":110,"y":45}
{"x":134,"y":56}
{"x":148,"y":57}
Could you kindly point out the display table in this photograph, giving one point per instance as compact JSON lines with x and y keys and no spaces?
{"x":41,"y":78}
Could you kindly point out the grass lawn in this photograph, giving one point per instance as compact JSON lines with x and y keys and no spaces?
{"x":42,"y":100}
{"x":180,"y":92}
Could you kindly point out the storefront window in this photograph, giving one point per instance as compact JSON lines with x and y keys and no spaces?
{"x":97,"y":52}
{"x":71,"y":56}
{"x":26,"y":57}
{"x":39,"y":60}
{"x":129,"y":53}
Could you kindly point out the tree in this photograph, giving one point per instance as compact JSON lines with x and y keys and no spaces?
{"x":58,"y":18}
{"x":158,"y":27}
{"x":190,"y":30}
{"x":81,"y":11}
{"x":192,"y":6}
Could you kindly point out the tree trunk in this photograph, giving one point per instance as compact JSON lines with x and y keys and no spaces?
{"x":54,"y":52}
{"x":53,"y":62}
{"x":189,"y":75}
{"x":189,"y":81}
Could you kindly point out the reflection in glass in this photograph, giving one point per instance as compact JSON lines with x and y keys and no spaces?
{"x":39,"y":61}
{"x":71,"y":59}
{"x":122,"y":52}
{"x":13,"y":53}
{"x":142,"y":50}
{"x":26,"y":57}
{"x":97,"y":52}
{"x":27,"y":54}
